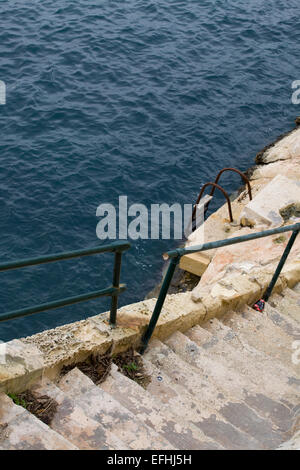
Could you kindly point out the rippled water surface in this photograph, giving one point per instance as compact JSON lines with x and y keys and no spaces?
{"x":143,"y":98}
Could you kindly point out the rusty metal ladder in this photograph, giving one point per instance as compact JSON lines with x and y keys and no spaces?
{"x":214,"y":186}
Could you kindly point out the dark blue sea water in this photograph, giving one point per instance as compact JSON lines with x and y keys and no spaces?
{"x":141,"y":98}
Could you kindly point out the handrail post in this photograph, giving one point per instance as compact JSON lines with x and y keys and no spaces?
{"x":280,"y":265}
{"x":159,"y":303}
{"x":116,"y":284}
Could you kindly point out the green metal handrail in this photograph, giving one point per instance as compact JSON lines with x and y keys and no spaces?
{"x":117,"y":248}
{"x":175,"y":255}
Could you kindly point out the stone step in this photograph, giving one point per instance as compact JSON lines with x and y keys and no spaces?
{"x":20,"y":430}
{"x":290,"y":294}
{"x":209,"y":395}
{"x":296,"y":288}
{"x":261,"y":333}
{"x":280,"y":413}
{"x":237,"y":387}
{"x":154,"y":413}
{"x":110,"y":413}
{"x":288,"y":305}
{"x":74,"y":424}
{"x":188,"y":408}
{"x":237,"y":337}
{"x":239,"y":361}
{"x":230,"y":381}
{"x":214,"y":410}
{"x":273,"y":331}
{"x":292,"y":444}
{"x":290,"y":326}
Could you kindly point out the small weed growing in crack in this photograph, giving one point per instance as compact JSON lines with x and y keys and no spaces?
{"x":17,"y":400}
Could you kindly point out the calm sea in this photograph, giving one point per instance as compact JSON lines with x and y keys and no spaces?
{"x":142,"y":98}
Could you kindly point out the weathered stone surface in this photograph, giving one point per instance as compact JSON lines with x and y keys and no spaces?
{"x":283,"y":321}
{"x":247,"y":257}
{"x":287,"y":305}
{"x":270,"y":341}
{"x":75,"y":342}
{"x":185,"y":381}
{"x":230,"y":380}
{"x":240,"y":273}
{"x":154,"y":413}
{"x":285,"y":149}
{"x":110,"y":413}
{"x":290,"y":169}
{"x":266,"y":207}
{"x":208,"y":397}
{"x":20,"y":365}
{"x":74,"y":424}
{"x":294,"y":146}
{"x":187,"y":376}
{"x":72,"y":343}
{"x":170,"y":386}
{"x":278,"y":372}
{"x":8,"y":410}
{"x":19,"y":430}
{"x":292,"y":444}
{"x":241,"y":362}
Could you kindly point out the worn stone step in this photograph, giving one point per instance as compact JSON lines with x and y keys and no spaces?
{"x":110,"y":413}
{"x":296,"y":288}
{"x":231,"y":381}
{"x":154,"y":413}
{"x":280,"y":413}
{"x":214,"y":410}
{"x":290,"y":326}
{"x":283,"y":325}
{"x":20,"y":430}
{"x":238,"y":339}
{"x":288,"y":304}
{"x":210,"y":396}
{"x":187,"y":407}
{"x":289,"y":332}
{"x":275,"y":335}
{"x":239,"y":361}
{"x":238,"y":387}
{"x":74,"y":424}
{"x":290,"y":294}
{"x":291,"y":444}
{"x":263,"y":335}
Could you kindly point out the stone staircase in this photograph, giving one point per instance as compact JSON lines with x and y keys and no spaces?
{"x":232,"y":384}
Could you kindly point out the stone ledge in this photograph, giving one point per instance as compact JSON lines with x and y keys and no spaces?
{"x":20,"y":365}
{"x":195,"y":263}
